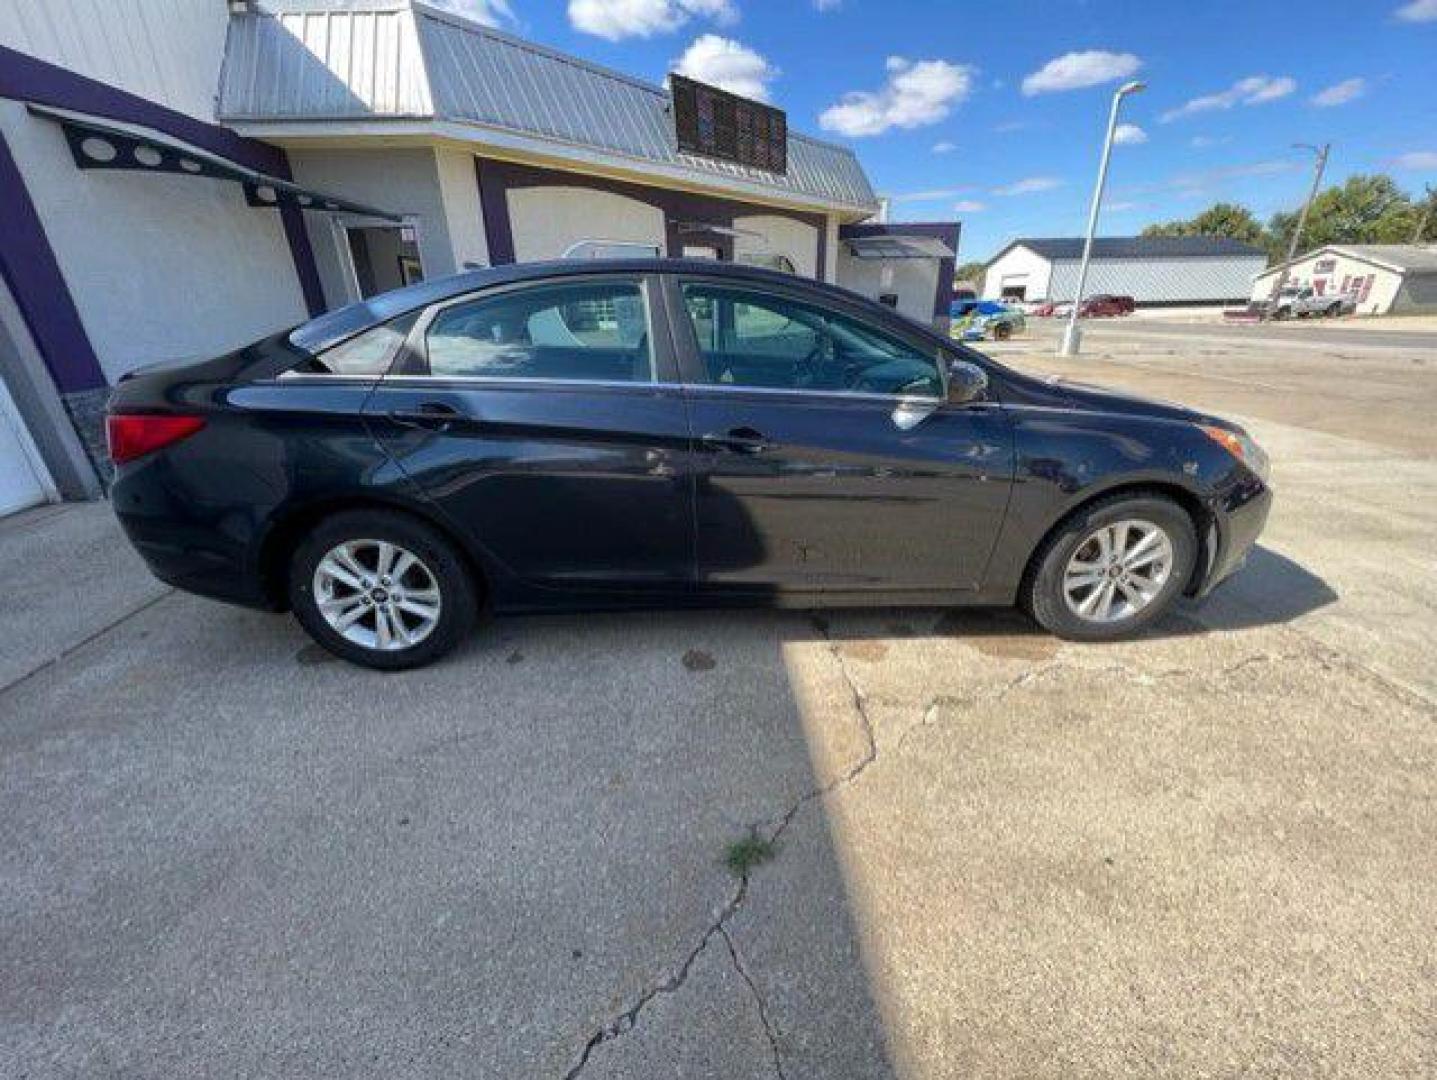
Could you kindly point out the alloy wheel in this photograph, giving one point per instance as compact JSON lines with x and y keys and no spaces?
{"x":1117,"y":571}
{"x":377,"y":594}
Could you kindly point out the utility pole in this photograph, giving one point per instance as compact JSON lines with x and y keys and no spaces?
{"x":1426,"y":214}
{"x":1072,"y":336}
{"x":1321,"y":152}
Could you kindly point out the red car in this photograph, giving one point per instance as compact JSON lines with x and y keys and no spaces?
{"x":1106,"y":304}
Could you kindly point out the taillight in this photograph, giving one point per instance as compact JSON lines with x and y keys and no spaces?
{"x":133,"y":435}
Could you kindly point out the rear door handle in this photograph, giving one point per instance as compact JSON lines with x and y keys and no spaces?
{"x":430,"y":415}
{"x":741,"y":440}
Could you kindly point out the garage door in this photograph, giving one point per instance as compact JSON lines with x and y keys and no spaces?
{"x":22,"y":476}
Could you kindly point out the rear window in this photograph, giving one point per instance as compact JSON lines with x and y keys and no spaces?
{"x":369,"y":353}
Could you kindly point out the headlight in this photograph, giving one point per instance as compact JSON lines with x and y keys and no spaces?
{"x":1240,"y":445}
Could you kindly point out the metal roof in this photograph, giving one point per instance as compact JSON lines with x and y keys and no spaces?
{"x":1400,"y":258}
{"x":359,"y":60}
{"x":1135,"y":247}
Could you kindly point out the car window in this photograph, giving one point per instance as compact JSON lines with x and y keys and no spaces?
{"x":591,"y":331}
{"x":369,"y":353}
{"x":747,"y":337}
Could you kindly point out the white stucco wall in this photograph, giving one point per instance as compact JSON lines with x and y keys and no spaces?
{"x":547,"y":221}
{"x":914,"y":280}
{"x":1018,"y":267}
{"x":166,"y":50}
{"x":779,"y":235}
{"x":830,"y":269}
{"x":459,"y":190}
{"x":160,"y":266}
{"x":401,"y":181}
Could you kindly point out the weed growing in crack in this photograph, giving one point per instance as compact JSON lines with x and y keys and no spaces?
{"x":743,"y":855}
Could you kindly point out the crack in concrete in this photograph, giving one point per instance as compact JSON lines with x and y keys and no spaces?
{"x":768,"y":1028}
{"x":936,"y":705}
{"x":626,"y":1020}
{"x":776,"y":826}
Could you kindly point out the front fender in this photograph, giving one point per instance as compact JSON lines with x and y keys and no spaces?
{"x":1066,"y":459}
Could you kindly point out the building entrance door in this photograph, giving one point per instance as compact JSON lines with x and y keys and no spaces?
{"x":377,"y":257}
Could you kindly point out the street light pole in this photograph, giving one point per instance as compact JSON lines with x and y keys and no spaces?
{"x":1072,"y":336}
{"x":1321,"y":152}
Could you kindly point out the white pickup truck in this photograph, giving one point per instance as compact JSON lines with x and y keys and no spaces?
{"x":1301,"y":301}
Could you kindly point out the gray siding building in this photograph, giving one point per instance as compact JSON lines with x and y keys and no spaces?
{"x":1153,"y":270}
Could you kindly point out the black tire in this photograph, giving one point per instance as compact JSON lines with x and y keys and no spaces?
{"x":1042,"y":595}
{"x":437,"y":556}
{"x":1002,"y":332}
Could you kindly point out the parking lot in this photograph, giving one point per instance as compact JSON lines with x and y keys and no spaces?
{"x":962,"y":848}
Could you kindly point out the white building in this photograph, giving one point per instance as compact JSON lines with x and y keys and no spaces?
{"x":1153,"y":270}
{"x":181,"y":177}
{"x":1381,"y":278}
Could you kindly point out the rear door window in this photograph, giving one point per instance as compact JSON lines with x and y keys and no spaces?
{"x":594,"y":331}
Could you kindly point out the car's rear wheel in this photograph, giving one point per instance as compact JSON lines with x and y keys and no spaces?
{"x":381,"y":589}
{"x":1002,"y":332}
{"x":1112,"y":568}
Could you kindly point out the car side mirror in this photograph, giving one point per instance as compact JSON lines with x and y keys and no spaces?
{"x":966,"y":383}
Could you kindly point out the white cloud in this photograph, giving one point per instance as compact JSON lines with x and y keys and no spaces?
{"x":1418,"y":11}
{"x":1340,"y":93}
{"x":944,"y":147}
{"x":1417,"y":160}
{"x":932,"y":195}
{"x":727,"y":64}
{"x":487,"y":12}
{"x":969,"y":206}
{"x":1129,"y":135}
{"x":1253,"y":90}
{"x":917,"y":93}
{"x":1206,"y":142}
{"x":827,"y":5}
{"x":1009,"y":126}
{"x":1029,"y":185}
{"x":615,"y":20}
{"x":1075,"y":70}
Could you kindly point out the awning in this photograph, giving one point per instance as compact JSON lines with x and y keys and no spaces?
{"x":899,"y":247}
{"x":96,"y":145}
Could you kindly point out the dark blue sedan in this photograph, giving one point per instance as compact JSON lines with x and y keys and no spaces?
{"x":623,"y":434}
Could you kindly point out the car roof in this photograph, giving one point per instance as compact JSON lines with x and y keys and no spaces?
{"x":335,"y":326}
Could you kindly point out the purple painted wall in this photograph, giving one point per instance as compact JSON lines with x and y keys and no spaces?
{"x":26,"y":259}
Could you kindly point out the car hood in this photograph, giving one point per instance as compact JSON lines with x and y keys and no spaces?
{"x":1061,"y":392}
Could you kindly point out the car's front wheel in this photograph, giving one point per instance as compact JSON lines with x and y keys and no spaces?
{"x":1112,"y":568}
{"x":381,"y":589}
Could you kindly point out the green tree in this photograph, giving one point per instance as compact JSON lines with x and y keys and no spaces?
{"x":1364,"y":209}
{"x":970,"y":271}
{"x":1220,"y":219}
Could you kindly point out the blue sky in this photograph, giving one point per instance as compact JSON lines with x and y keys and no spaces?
{"x":994,"y":113}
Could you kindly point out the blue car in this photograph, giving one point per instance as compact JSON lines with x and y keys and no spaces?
{"x":973,"y":320}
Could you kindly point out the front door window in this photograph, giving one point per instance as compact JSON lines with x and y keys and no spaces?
{"x":766,"y":340}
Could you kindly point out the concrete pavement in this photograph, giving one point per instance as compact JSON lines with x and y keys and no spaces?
{"x":1207,"y":852}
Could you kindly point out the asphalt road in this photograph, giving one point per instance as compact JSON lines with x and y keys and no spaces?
{"x":1208,"y":852}
{"x":1302,"y":333}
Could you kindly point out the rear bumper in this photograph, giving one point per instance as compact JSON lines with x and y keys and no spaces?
{"x":1238,"y":518}
{"x":199,"y":547}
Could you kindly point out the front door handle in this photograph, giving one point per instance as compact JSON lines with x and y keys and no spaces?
{"x":430,"y":415}
{"x":740,"y":440}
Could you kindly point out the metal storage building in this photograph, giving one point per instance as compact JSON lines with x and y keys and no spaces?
{"x":1152,"y":270}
